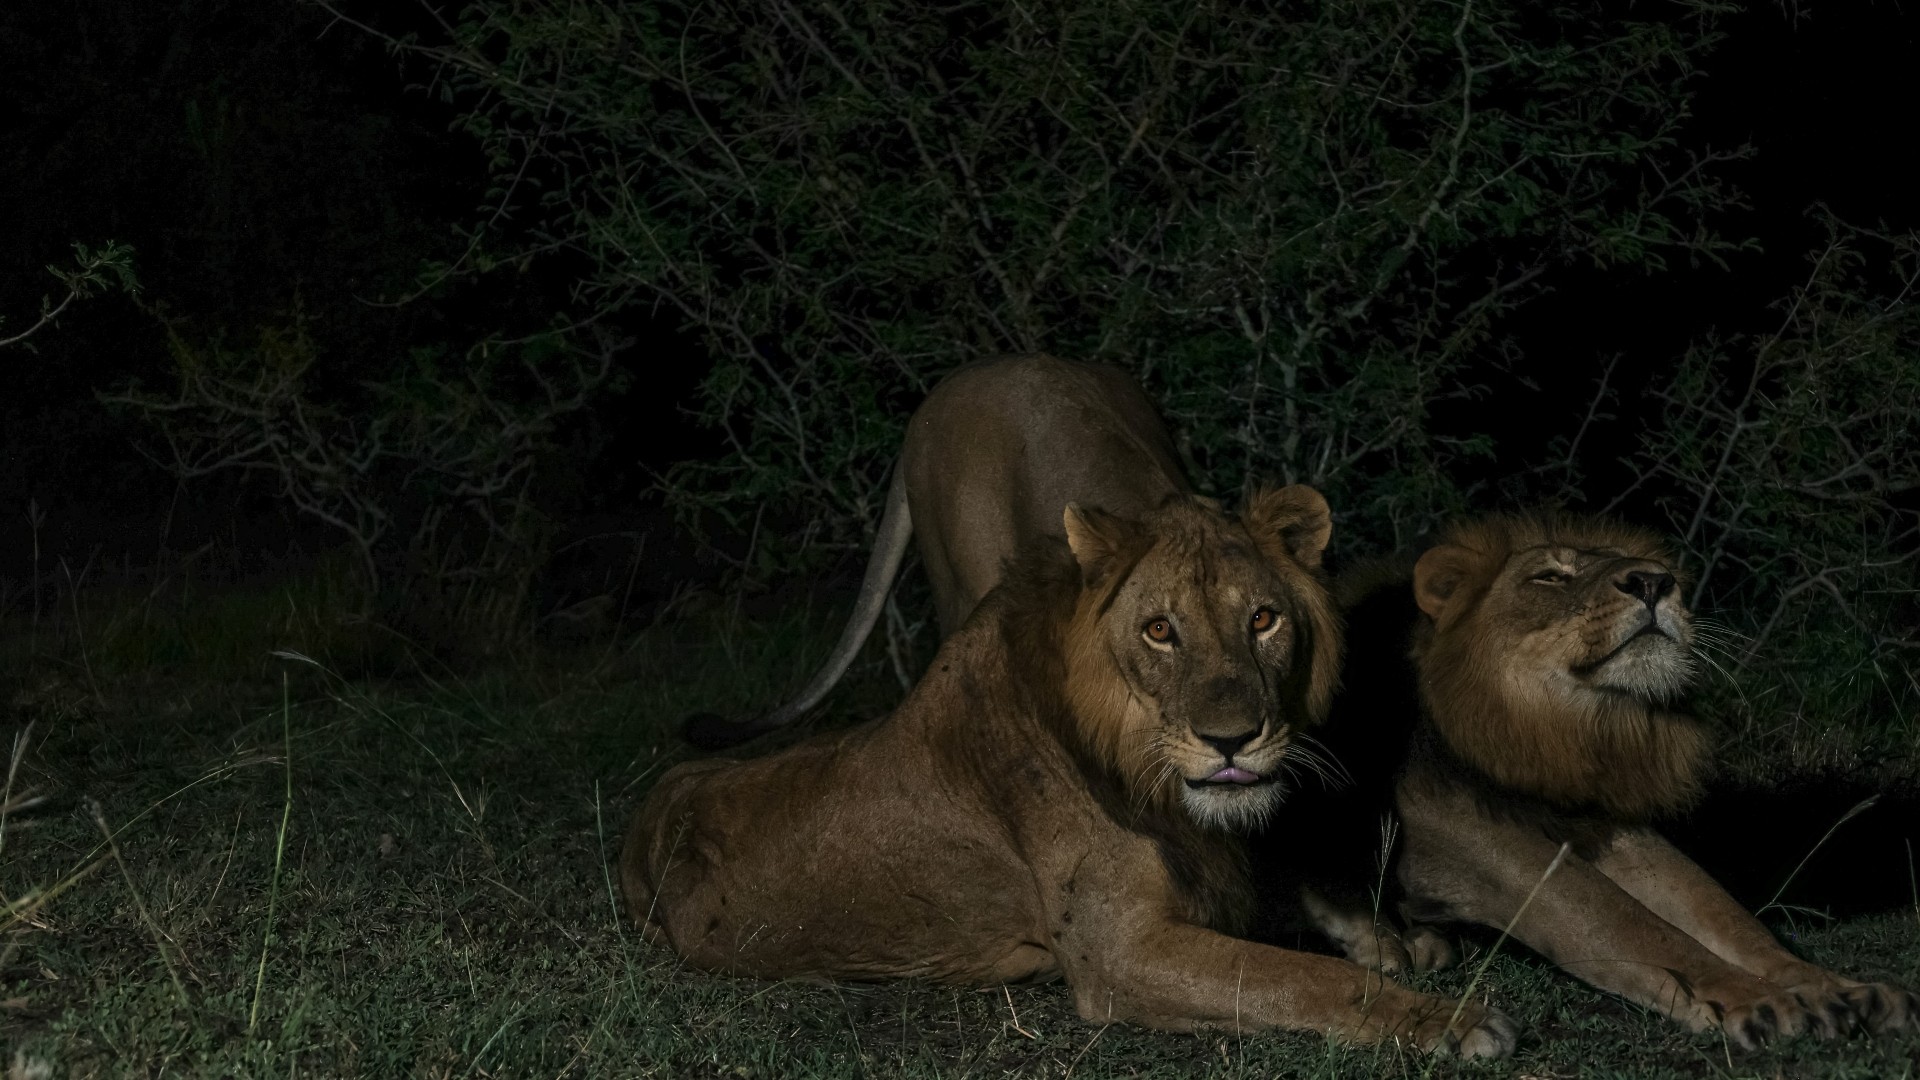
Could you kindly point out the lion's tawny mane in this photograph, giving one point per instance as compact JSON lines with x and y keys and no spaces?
{"x":1551,"y":652}
{"x":1517,"y":667}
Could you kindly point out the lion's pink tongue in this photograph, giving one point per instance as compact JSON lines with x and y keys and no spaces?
{"x":1233,"y":774}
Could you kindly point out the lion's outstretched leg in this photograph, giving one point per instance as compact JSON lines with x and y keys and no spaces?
{"x":1179,"y":976}
{"x":1481,"y":870}
{"x":1673,"y":887}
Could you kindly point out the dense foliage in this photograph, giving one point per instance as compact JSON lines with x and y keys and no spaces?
{"x":1788,"y":465}
{"x":1299,"y":223}
{"x":1306,"y":228}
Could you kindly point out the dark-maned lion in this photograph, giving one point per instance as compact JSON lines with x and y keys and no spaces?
{"x":1541,"y":706}
{"x":1052,"y":799}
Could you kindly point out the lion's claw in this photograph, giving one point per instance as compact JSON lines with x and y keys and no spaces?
{"x":1771,"y":1013}
{"x":1895,"y":1008}
{"x":1841,"y":1007}
{"x":1882,"y":1007}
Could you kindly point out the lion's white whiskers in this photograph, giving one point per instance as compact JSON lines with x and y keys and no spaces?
{"x":1313,"y":754}
{"x":1145,"y":796}
{"x":1719,"y":630}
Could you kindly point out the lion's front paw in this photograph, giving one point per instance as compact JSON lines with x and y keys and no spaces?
{"x":1462,"y":1028}
{"x":1369,"y":939}
{"x":1494,"y":1036}
{"x":1381,"y":951}
{"x":1427,"y":949}
{"x":1886,"y":1007}
{"x":1851,"y":1006}
{"x":1847,"y":1006}
{"x":1759,"y":1018}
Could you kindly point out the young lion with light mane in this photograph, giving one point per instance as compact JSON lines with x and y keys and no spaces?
{"x":1040,"y":804}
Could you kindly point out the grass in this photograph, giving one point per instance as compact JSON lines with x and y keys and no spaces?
{"x":409,"y":877}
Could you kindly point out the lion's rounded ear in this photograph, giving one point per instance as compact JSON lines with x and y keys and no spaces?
{"x":1297,"y":515}
{"x":1095,"y":538}
{"x":1440,"y":573}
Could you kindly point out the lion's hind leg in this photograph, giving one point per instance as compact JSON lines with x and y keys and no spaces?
{"x":658,"y":845}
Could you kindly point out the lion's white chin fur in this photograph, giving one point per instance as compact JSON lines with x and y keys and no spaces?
{"x":1653,"y":667}
{"x":1232,"y":807}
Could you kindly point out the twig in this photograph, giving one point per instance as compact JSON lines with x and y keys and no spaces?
{"x":1011,"y":1011}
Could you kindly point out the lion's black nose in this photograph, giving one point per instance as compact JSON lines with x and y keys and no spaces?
{"x":1646,"y":584}
{"x":1228,"y":745}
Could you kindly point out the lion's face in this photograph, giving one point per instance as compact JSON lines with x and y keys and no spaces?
{"x":1196,"y":660}
{"x":1556,"y":650}
{"x":1573,"y":620}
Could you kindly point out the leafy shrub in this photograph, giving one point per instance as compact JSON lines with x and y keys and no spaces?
{"x":1300,"y":224}
{"x":429,"y":472}
{"x":1788,"y":464}
{"x":108,"y":268}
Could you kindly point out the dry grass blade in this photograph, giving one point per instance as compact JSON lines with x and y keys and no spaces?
{"x":9,"y":803}
{"x":1015,"y":1014}
{"x":160,"y":937}
{"x":279,"y":852}
{"x":1859,"y":808}
{"x":1505,"y":932}
{"x":22,"y":910}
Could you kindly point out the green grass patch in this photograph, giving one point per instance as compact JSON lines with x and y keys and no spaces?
{"x":443,"y":905}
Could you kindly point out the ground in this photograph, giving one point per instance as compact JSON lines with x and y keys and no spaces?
{"x":308,"y":870}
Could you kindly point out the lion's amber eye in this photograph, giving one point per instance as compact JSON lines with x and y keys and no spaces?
{"x":1159,"y":631}
{"x":1264,"y":620}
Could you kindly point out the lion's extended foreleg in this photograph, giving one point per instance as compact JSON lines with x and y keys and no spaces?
{"x":1480,"y":870}
{"x":1673,"y":887}
{"x":1179,"y":976}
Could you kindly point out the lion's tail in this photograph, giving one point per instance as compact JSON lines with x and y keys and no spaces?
{"x":710,"y":731}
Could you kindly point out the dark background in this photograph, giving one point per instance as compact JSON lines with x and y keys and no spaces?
{"x":259,"y":157}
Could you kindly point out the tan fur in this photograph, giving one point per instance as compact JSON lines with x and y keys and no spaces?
{"x":1547,"y":721}
{"x":990,"y":461}
{"x":1491,"y":680}
{"x":1014,"y":818}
